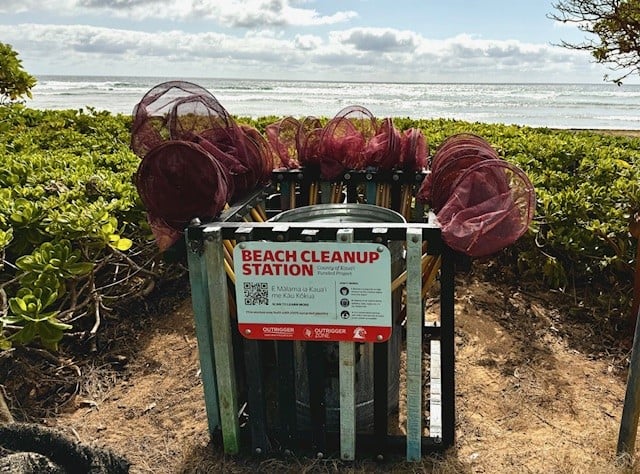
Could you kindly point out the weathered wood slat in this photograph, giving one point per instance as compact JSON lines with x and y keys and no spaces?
{"x":371,"y":192}
{"x":204,"y":335}
{"x":347,"y":400}
{"x":380,"y":395}
{"x":222,"y":340}
{"x":631,"y":409}
{"x":347,"y":381}
{"x":415,"y":321}
{"x":325,"y":192}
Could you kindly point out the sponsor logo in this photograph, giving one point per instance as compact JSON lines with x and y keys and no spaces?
{"x":359,"y":333}
{"x":277,"y":330}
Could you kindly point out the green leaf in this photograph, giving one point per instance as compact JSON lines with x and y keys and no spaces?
{"x":26,"y":334}
{"x":11,"y":319}
{"x":49,"y":299}
{"x":25,"y":262}
{"x":17,"y":306}
{"x":17,"y":218}
{"x":124,"y":244}
{"x":108,"y":228}
{"x":6,"y":236}
{"x":5,"y":344}
{"x":15,"y":82}
{"x":59,"y":325}
{"x":78,"y":269}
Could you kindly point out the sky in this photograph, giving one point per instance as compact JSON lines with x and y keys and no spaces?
{"x":489,"y":41}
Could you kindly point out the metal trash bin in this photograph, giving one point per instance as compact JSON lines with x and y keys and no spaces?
{"x":364,"y":370}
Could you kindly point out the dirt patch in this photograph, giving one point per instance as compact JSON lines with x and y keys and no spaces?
{"x":527,"y":399}
{"x":527,"y":402}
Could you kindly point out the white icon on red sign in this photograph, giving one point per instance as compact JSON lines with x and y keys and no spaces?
{"x":359,"y":333}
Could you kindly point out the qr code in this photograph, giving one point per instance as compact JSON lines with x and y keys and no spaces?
{"x":256,"y":293}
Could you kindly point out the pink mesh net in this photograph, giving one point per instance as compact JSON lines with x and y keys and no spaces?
{"x":465,"y":142}
{"x":308,"y":140}
{"x":362,"y":119}
{"x":283,"y":138}
{"x":258,"y":158}
{"x":413,"y":150}
{"x":341,"y":145}
{"x":179,"y":180}
{"x":195,"y":157}
{"x":198,"y":114}
{"x":383,"y":149}
{"x":353,"y":140}
{"x":456,"y":153}
{"x":491,"y":206}
{"x":151,"y":115}
{"x":483,"y":203}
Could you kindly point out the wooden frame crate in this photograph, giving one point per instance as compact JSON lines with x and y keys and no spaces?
{"x":250,"y":388}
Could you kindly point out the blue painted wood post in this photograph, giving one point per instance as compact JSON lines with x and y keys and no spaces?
{"x":202,"y":319}
{"x":222,"y":339}
{"x":415,"y":321}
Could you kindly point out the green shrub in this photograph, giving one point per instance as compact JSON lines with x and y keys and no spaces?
{"x":74,"y":238}
{"x":68,"y":211}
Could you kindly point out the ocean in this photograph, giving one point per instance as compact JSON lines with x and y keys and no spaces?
{"x":600,"y":106}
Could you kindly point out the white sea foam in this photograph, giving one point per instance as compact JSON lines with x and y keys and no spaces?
{"x":540,"y":105}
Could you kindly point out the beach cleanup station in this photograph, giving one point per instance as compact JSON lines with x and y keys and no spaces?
{"x":313,"y":250}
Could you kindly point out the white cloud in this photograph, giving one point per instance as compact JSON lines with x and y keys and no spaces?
{"x":21,"y":6}
{"x":263,"y":13}
{"x":231,"y":13}
{"x":378,"y":39}
{"x":358,"y":54}
{"x":71,"y":39}
{"x":308,"y":42}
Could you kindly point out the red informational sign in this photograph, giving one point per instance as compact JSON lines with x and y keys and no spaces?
{"x":315,"y":332}
{"x":320,"y":291}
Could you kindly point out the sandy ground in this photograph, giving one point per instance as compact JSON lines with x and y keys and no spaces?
{"x":533,"y":394}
